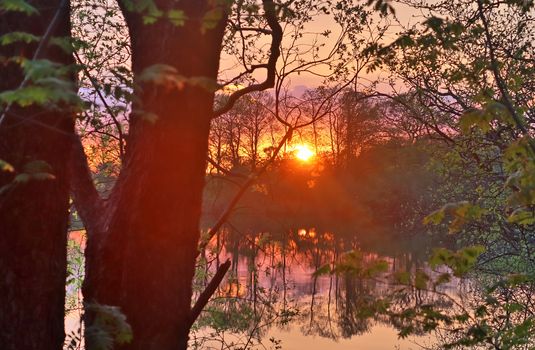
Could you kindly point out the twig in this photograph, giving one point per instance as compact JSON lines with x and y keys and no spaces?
{"x":44,"y":41}
{"x":269,"y":82}
{"x":208,"y":292}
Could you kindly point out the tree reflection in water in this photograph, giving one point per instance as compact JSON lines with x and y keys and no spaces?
{"x":272,"y":284}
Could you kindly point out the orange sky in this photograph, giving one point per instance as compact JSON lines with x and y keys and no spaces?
{"x":405,"y":17}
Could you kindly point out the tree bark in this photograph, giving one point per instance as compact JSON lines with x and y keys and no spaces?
{"x":33,"y":214}
{"x":144,"y":260}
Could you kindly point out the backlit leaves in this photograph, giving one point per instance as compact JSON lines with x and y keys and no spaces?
{"x":483,"y":118}
{"x":518,"y":161}
{"x":5,"y":166}
{"x":109,"y":327}
{"x":211,"y":18}
{"x":460,"y":213}
{"x":177,"y":17}
{"x":168,"y":77}
{"x":354,"y":263}
{"x":163,"y":75}
{"x":35,"y":170}
{"x":18,"y":6}
{"x":13,"y":37}
{"x":382,"y":6}
{"x":50,"y":84}
{"x":460,"y":262}
{"x":147,"y":8}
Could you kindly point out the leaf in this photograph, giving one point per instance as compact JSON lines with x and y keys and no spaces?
{"x":163,"y":74}
{"x":420,"y":280}
{"x":521,"y":216}
{"x":211,"y":18}
{"x":440,"y":256}
{"x":434,"y":23}
{"x":64,"y":43}
{"x":206,"y":83}
{"x":26,"y":96}
{"x":474,"y":117}
{"x":442,"y":279}
{"x":109,"y":327}
{"x":324,"y":270}
{"x":518,"y":279}
{"x":435,"y":217}
{"x":22,"y":178}
{"x":5,"y":166}
{"x":402,"y":277}
{"x":42,"y":176}
{"x":147,"y":116}
{"x":460,"y":262}
{"x":14,"y":37}
{"x":461,"y":213}
{"x":177,"y":17}
{"x":18,"y":6}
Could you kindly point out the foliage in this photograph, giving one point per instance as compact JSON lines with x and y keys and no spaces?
{"x":499,"y":315}
{"x":108,"y":328}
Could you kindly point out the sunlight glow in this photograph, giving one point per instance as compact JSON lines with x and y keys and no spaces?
{"x":303,"y":152}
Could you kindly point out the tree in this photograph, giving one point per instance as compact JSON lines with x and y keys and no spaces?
{"x":36,"y":130}
{"x":142,"y":239}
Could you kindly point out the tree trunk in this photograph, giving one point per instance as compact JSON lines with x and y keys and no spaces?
{"x":143,"y":260}
{"x":34,"y":213}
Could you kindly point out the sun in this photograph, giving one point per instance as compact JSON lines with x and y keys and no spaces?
{"x":303,"y":153}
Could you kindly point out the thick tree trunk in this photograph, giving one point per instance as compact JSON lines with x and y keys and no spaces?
{"x":143,"y":260}
{"x":33,"y":214}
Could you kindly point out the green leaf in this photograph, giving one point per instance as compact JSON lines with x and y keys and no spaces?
{"x":435,"y":217}
{"x":461,"y":213}
{"x":460,"y":262}
{"x":14,"y":37}
{"x":518,"y":279}
{"x":474,"y":117}
{"x":18,"y":6}
{"x":420,"y":280}
{"x":324,"y":270}
{"x":402,"y":277}
{"x":22,"y":178}
{"x":442,"y":279}
{"x":177,"y":17}
{"x":109,"y":327}
{"x":521,"y":216}
{"x":163,"y":74}
{"x":26,"y":96}
{"x":64,"y":43}
{"x":440,"y":256}
{"x":211,"y":18}
{"x":37,"y":166}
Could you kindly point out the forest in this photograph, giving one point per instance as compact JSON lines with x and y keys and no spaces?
{"x":267,"y":174}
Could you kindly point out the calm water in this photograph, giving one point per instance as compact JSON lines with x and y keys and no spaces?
{"x":271,"y":298}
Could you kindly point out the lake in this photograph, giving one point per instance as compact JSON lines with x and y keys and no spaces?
{"x":306,"y":288}
{"x":272,"y":299}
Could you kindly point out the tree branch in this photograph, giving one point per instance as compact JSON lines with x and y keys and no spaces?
{"x":208,"y":292}
{"x":87,"y":200}
{"x":269,"y":82}
{"x":223,"y":170}
{"x":251,"y":180}
{"x":502,"y":86}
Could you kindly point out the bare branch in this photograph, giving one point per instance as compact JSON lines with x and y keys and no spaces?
{"x":87,"y":200}
{"x":269,"y":82}
{"x":208,"y":292}
{"x":106,"y":105}
{"x":223,"y":170}
{"x":250,"y":180}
